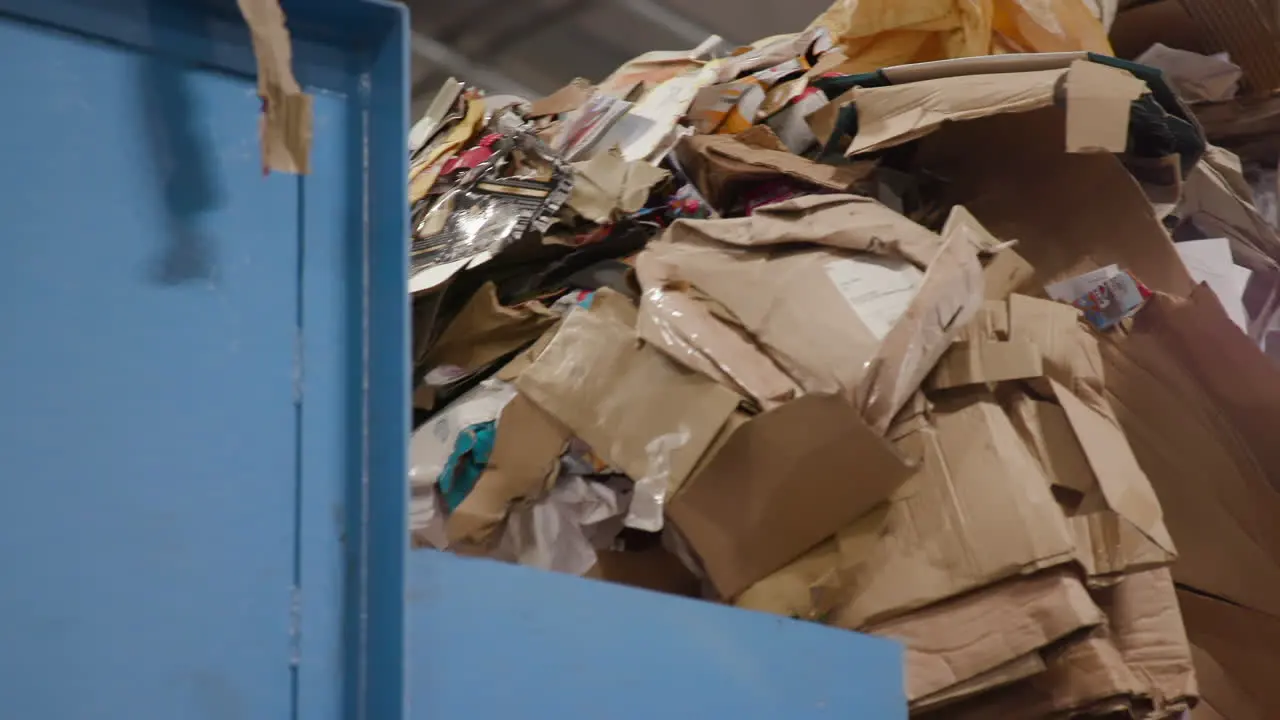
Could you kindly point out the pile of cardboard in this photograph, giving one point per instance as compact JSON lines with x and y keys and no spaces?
{"x":909,"y":352}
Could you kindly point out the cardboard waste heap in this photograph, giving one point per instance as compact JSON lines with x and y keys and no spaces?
{"x":902,"y":350}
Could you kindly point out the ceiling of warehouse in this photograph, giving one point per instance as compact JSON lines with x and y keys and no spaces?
{"x":535,"y":46}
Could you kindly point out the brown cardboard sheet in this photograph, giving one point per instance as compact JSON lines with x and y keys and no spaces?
{"x":780,"y":484}
{"x":721,"y":165}
{"x":636,"y":408}
{"x":607,"y":187}
{"x":1204,"y":446}
{"x":975,"y":363}
{"x":1071,"y":213}
{"x":1019,"y":668}
{"x":1140,"y":662}
{"x":836,"y":222}
{"x":977,"y":510}
{"x":566,"y":99}
{"x":1236,"y":655}
{"x":486,"y":330}
{"x":958,"y":640}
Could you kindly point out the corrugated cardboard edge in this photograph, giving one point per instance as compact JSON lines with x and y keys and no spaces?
{"x":962,"y":638}
{"x":286,"y":124}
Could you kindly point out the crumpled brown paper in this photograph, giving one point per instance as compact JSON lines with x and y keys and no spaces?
{"x":285,"y":126}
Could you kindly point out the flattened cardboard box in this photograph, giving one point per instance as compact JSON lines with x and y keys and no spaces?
{"x":1140,"y":661}
{"x":955,"y":641}
{"x":976,"y":510}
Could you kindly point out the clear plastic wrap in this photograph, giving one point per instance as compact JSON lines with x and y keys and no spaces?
{"x":651,"y":489}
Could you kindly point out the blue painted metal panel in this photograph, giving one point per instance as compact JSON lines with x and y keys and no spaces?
{"x":496,"y":641}
{"x":203,"y":371}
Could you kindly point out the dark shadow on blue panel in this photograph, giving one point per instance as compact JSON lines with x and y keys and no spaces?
{"x":186,"y":177}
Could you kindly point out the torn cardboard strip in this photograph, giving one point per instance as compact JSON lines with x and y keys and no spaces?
{"x":285,"y":126}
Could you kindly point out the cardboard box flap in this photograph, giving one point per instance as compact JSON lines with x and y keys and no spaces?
{"x":720,"y":165}
{"x":782,"y":483}
{"x":1005,"y":273}
{"x":1097,"y":105}
{"x":957,"y":640}
{"x":635,"y":407}
{"x":1045,"y":429}
{"x":844,"y":222}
